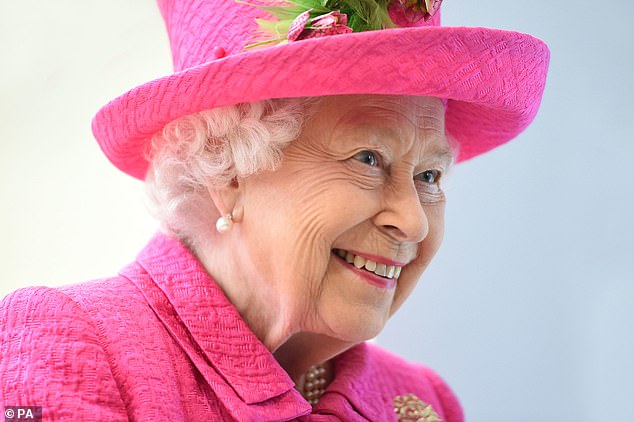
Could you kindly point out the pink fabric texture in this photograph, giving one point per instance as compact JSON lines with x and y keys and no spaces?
{"x":493,"y":80}
{"x":160,"y":342}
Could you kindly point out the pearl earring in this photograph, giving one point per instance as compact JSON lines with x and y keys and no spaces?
{"x":224,"y":223}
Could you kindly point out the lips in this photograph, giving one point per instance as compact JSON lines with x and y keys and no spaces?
{"x":383,"y":270}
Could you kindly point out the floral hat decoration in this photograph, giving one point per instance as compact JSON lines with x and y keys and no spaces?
{"x":303,"y":19}
{"x":232,"y":51}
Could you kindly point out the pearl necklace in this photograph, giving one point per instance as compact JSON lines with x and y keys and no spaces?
{"x":314,"y":384}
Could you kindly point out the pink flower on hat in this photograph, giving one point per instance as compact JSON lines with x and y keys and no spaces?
{"x":432,"y":8}
{"x":412,"y":11}
{"x":330,"y":19}
{"x":328,"y":24}
{"x":298,"y":25}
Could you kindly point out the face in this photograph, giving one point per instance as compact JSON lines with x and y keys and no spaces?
{"x":337,"y":237}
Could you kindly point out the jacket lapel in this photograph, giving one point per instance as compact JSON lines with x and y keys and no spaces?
{"x":234,"y":363}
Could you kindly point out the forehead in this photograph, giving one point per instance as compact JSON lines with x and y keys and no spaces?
{"x":410,"y":121}
{"x":394,"y":109}
{"x":387,"y":111}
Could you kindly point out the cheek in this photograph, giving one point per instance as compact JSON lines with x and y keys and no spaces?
{"x":426,"y":251}
{"x":436,"y":218}
{"x":302,"y":217}
{"x":326,"y":203}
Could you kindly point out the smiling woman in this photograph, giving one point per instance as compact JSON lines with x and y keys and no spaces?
{"x":299,"y":286}
{"x":382,"y":155}
{"x":299,"y":213}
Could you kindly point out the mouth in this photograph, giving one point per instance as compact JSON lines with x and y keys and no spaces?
{"x":390,"y":272}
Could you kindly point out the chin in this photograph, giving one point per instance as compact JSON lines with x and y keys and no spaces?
{"x":358,"y":328}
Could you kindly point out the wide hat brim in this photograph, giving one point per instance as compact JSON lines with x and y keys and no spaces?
{"x":493,"y":81}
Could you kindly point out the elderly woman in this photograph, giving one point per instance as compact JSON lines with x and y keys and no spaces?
{"x":300,"y":187}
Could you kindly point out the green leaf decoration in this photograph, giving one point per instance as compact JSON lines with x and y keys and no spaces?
{"x":363,"y":15}
{"x":366,"y":15}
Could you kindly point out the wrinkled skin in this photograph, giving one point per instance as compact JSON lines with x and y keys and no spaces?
{"x":363,"y":176}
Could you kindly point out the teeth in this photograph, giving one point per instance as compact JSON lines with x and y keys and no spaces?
{"x":370,"y":265}
{"x":389,"y":271}
{"x":359,"y":261}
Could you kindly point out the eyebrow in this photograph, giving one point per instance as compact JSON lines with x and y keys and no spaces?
{"x":443,"y":155}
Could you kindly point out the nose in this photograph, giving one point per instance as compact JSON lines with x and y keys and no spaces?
{"x":402,"y":215}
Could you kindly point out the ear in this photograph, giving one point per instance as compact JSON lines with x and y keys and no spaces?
{"x":228,"y":198}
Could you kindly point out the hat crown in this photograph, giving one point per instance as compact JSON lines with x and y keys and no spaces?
{"x":196,"y":28}
{"x":199,"y":29}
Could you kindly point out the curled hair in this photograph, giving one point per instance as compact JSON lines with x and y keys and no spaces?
{"x":211,"y":148}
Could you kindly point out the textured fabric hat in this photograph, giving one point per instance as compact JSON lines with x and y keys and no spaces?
{"x":492,"y":80}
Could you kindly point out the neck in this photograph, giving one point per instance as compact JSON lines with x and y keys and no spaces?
{"x":303,"y":350}
{"x":281,"y":332}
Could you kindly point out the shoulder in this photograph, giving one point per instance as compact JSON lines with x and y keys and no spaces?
{"x":406,"y":377}
{"x":31,"y":319}
{"x":53,"y":356}
{"x":83,"y":305}
{"x":39,"y":308}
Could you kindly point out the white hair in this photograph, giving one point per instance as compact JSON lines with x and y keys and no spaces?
{"x":211,"y":148}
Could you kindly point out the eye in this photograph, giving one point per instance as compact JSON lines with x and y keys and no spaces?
{"x":368,"y":157}
{"x":430,"y":177}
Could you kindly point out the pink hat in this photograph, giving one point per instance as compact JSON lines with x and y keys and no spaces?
{"x":492,"y":80}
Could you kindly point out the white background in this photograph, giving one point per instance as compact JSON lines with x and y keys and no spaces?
{"x":527,"y":310}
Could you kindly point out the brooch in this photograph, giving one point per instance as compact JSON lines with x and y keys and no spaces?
{"x":409,"y":408}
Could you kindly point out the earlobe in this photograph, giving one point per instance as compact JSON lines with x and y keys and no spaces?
{"x":227,"y":199}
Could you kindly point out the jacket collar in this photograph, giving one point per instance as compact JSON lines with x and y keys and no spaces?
{"x":357,"y":379}
{"x":209,"y":328}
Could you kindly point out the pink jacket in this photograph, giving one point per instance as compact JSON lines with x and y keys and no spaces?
{"x":160,"y":342}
